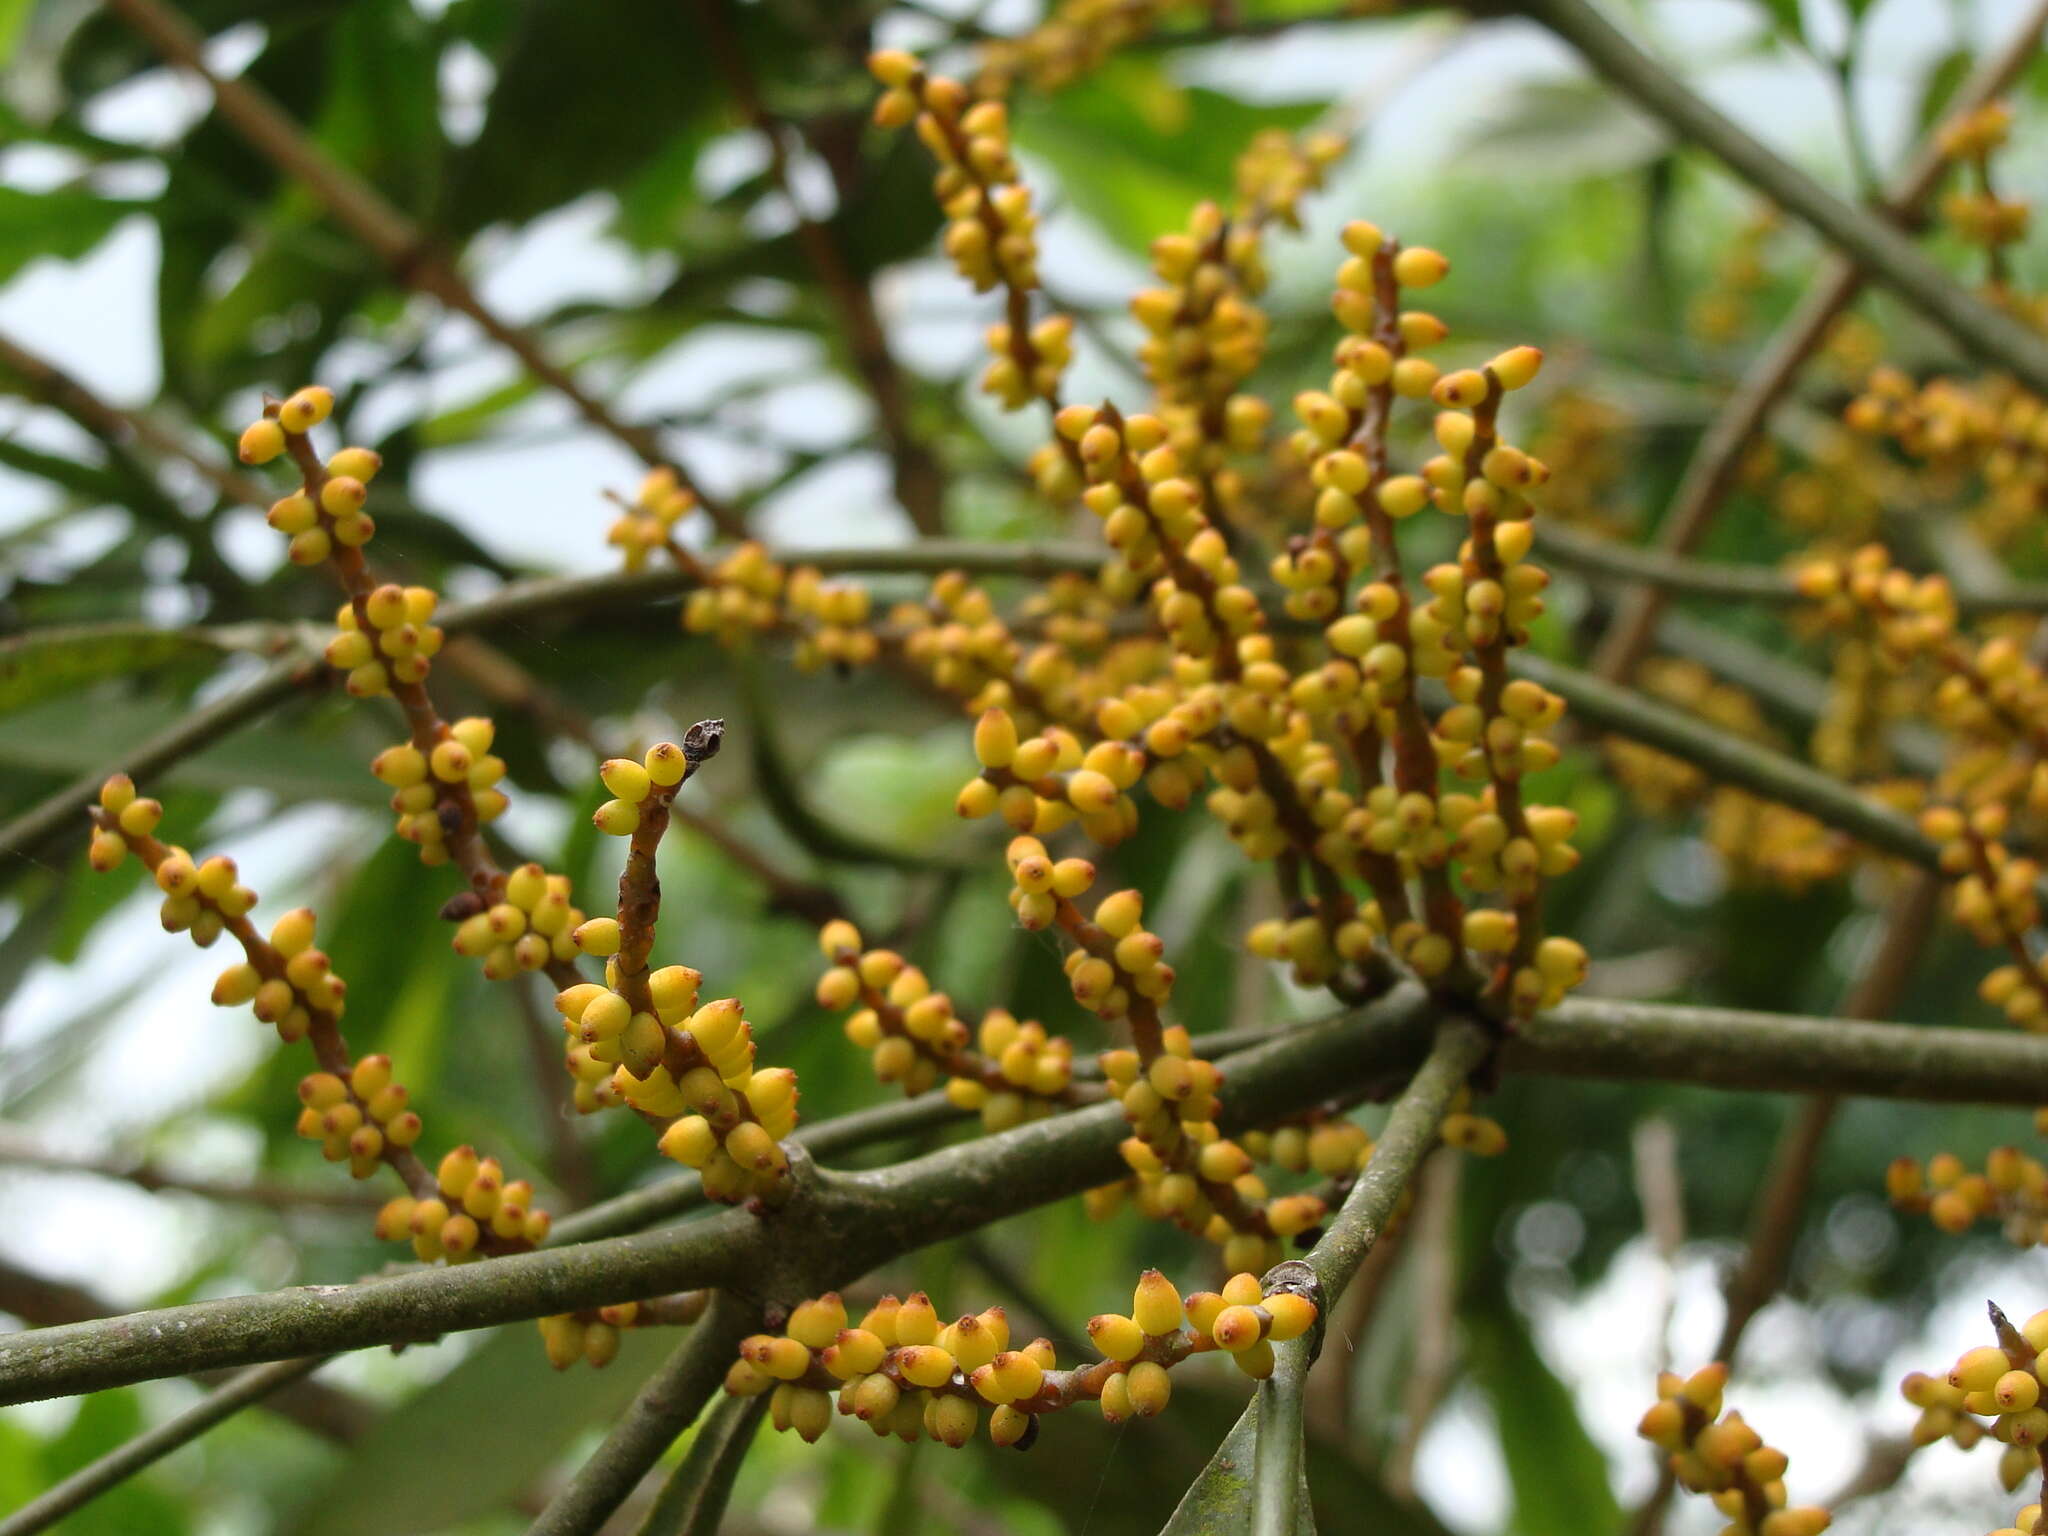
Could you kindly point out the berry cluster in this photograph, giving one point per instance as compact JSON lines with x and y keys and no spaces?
{"x":444,"y":778}
{"x":1756,"y":839}
{"x":1009,"y":1071}
{"x":593,"y":1336}
{"x":1721,"y":1456}
{"x":648,"y":522}
{"x":353,"y":1116}
{"x":2012,"y":1190}
{"x":1989,"y":699}
{"x":438,"y":791}
{"x":1978,"y":213}
{"x":471,"y":1199}
{"x":2001,"y":1383}
{"x":532,"y":927}
{"x":355,"y":1109}
{"x":1075,"y":38}
{"x":992,"y":230}
{"x":901,"y":1372}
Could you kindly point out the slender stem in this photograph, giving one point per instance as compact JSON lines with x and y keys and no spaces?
{"x":411,"y":1308}
{"x":1350,"y":1233}
{"x":919,"y":483}
{"x":692,"y":1501}
{"x":1886,"y":256}
{"x":666,"y":1406}
{"x":152,"y":1445}
{"x":1711,"y":472}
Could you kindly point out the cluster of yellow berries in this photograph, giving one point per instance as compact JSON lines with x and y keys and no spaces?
{"x":435,"y":793}
{"x":991,"y":233}
{"x":389,"y":639}
{"x":2012,"y":1190}
{"x":356,"y":1115}
{"x":593,"y":1336}
{"x":530,"y":928}
{"x":1041,"y":784}
{"x":1978,"y":214}
{"x":607,"y":1034}
{"x":1995,"y":896}
{"x":470,"y":1206}
{"x":357,"y":1112}
{"x":740,"y":596}
{"x":1132,"y":477}
{"x":901,"y":1372}
{"x":1987,"y":431}
{"x":327,"y":515}
{"x":2001,"y":1383}
{"x":287,"y":979}
{"x":1009,"y":1071}
{"x":1727,"y":306}
{"x":1722,"y":1457}
{"x":1116,"y":967}
{"x":648,"y":522}
{"x":746,"y":594}
{"x":1075,"y":38}
{"x":1756,"y":839}
{"x":640,"y":790}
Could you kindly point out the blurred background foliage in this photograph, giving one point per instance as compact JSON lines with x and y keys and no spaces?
{"x":589,"y":168}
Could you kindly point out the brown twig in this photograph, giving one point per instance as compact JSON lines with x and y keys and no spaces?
{"x":919,"y":482}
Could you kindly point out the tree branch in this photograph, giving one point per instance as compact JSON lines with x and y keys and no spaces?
{"x":844,"y":1224}
{"x":666,"y":1406}
{"x":692,"y":1501}
{"x":1886,"y":256}
{"x":1730,"y":759}
{"x":1677,"y":575}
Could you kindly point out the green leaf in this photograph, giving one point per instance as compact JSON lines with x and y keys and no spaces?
{"x":475,"y":1440}
{"x":65,"y":223}
{"x":1560,"y":127}
{"x":1939,"y":89}
{"x":637,"y":79}
{"x":68,"y":736}
{"x":1558,"y":1474}
{"x":1219,"y":1502}
{"x":1135,"y":151}
{"x":13,"y":21}
{"x":47,"y":662}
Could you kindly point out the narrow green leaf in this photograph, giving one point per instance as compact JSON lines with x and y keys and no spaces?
{"x":47,"y":662}
{"x":65,"y":223}
{"x":1135,"y":150}
{"x":1558,"y":1474}
{"x":475,"y":1440}
{"x":1219,"y":1502}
